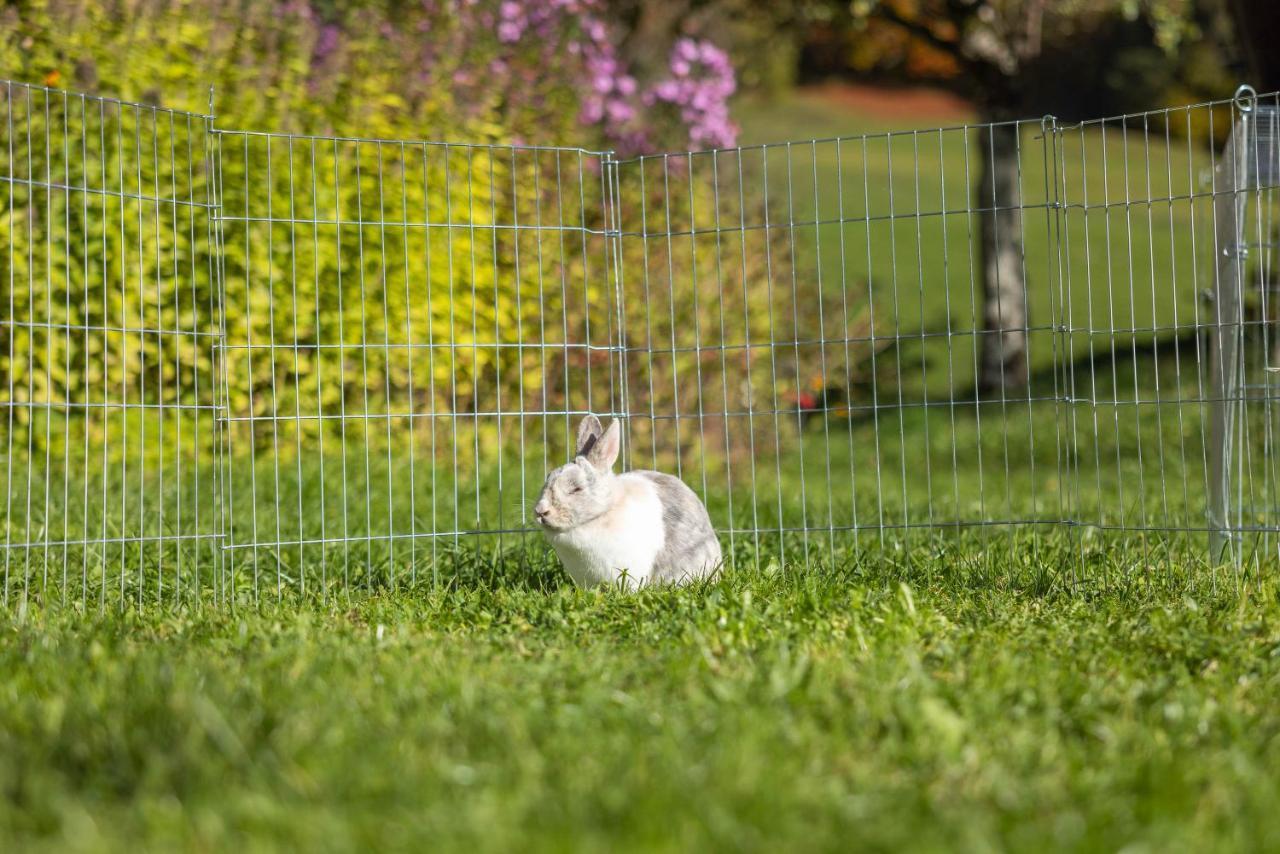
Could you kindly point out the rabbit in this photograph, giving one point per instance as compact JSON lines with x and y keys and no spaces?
{"x":632,"y":529}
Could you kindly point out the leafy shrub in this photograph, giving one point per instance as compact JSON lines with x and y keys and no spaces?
{"x":444,"y":261}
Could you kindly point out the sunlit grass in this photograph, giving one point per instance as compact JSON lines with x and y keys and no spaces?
{"x":919,"y":698}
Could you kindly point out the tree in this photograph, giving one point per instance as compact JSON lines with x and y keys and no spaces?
{"x":1258,"y":28}
{"x":995,"y":51}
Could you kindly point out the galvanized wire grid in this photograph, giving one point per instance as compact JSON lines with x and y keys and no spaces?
{"x":241,"y":362}
{"x":108,"y":346}
{"x":452,"y":308}
{"x":843,"y":397}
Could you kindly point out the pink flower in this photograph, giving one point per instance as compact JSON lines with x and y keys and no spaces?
{"x":700,"y":85}
{"x":667,"y":90}
{"x":620,"y":111}
{"x":528,"y":51}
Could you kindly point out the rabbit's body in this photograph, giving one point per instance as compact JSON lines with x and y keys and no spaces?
{"x":636,"y":528}
{"x":619,"y":542}
{"x":690,"y":547}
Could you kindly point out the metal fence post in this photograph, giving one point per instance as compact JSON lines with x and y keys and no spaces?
{"x":613,"y":239}
{"x":1230,"y":182}
{"x":223,"y":592}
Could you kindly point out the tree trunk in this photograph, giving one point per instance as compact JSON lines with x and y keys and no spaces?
{"x":1257,"y":29}
{"x":1004,"y":342}
{"x":654,"y":23}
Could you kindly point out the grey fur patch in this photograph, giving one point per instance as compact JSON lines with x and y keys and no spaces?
{"x":692,"y":549}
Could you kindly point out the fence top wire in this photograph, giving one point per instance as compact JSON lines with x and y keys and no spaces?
{"x":210,"y":115}
{"x":418,"y":143}
{"x":1046,"y":123}
{"x":1245,"y":99}
{"x":70,"y":95}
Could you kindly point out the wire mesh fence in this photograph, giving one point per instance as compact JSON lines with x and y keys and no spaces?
{"x":412,"y":332}
{"x":241,"y":362}
{"x":818,"y":323}
{"x":109,"y":345}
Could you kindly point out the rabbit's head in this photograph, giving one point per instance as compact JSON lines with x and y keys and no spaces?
{"x":583,"y":489}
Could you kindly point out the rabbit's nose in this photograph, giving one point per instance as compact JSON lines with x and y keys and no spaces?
{"x":540,"y":510}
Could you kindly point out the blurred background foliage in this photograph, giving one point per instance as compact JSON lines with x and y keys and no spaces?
{"x":476,"y":278}
{"x":108,"y":273}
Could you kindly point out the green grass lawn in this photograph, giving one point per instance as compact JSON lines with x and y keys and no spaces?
{"x":896,"y":700}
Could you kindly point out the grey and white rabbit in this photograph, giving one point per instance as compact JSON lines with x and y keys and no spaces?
{"x":641,"y":527}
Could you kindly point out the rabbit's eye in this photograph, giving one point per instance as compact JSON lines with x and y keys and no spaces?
{"x":576,"y":489}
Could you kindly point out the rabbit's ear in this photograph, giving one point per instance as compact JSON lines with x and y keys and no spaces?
{"x":603,"y":453}
{"x":589,"y":432}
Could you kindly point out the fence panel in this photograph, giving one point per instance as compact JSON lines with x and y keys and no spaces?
{"x":108,"y":316}
{"x":1243,"y":364}
{"x":412,"y":330}
{"x":808,"y":334}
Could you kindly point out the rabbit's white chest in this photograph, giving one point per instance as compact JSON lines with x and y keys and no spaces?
{"x":622,"y":543}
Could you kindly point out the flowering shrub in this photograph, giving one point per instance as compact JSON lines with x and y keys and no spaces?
{"x":546,"y":71}
{"x":699,"y":87}
{"x":572,"y":38}
{"x":473,"y":70}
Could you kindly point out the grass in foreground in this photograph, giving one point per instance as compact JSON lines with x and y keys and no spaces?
{"x":896,"y":700}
